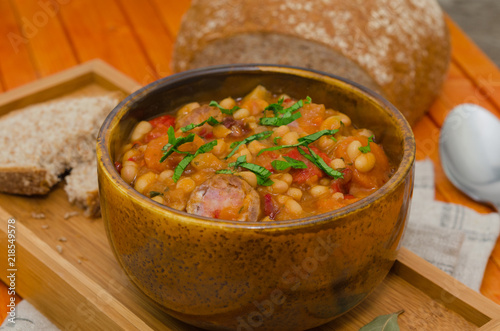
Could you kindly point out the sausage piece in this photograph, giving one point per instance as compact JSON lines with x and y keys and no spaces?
{"x":227,"y":197}
{"x":197,"y":116}
{"x":238,"y":128}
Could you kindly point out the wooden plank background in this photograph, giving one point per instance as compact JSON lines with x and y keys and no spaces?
{"x":41,"y":37}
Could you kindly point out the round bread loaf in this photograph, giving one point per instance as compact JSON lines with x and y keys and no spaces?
{"x":399,"y":48}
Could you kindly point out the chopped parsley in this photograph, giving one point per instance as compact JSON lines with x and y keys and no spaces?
{"x":259,"y":136}
{"x":302,"y":141}
{"x":366,"y":149}
{"x":283,"y":165}
{"x":188,"y":158}
{"x":279,"y":121}
{"x":315,"y":136}
{"x":275,"y":107}
{"x":261,"y":172}
{"x":222,"y":109}
{"x":320,"y":163}
{"x":153,"y":194}
{"x":174,"y":143}
{"x":225,"y":171}
{"x":283,"y":116}
{"x":212,"y":121}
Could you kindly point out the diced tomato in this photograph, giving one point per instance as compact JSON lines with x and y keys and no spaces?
{"x":136,"y":158}
{"x":342,"y":184}
{"x":294,"y":154}
{"x":321,"y":154}
{"x":265,"y":160}
{"x":118,"y":166}
{"x":349,"y":196}
{"x":270,"y":207}
{"x":154,"y":153}
{"x":156,"y":132}
{"x":165,"y":120}
{"x":207,"y":134}
{"x":312,"y":116}
{"x":270,"y":168}
{"x":160,"y":127}
{"x":301,"y":176}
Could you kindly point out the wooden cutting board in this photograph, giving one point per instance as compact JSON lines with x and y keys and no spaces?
{"x":65,"y":268}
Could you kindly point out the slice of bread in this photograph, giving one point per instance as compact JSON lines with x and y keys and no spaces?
{"x":82,"y":187}
{"x":398,"y":48}
{"x":40,"y":143}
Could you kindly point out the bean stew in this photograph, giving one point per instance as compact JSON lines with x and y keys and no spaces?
{"x":261,"y":157}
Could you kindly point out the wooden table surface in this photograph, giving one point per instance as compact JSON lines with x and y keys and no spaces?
{"x":39,"y":38}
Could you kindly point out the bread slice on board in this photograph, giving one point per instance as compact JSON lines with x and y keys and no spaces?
{"x":399,"y":48}
{"x":41,"y":143}
{"x":82,"y":187}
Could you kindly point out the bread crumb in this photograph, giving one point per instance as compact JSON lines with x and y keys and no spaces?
{"x":59,"y":249}
{"x":63,"y":239}
{"x":70,"y":214}
{"x":45,"y":226}
{"x":37,"y":215}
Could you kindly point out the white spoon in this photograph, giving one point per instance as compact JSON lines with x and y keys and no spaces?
{"x":469,"y":148}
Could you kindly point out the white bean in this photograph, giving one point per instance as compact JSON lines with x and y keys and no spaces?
{"x":142,"y":128}
{"x":353,"y":150}
{"x":337,"y":164}
{"x":128,"y":173}
{"x":365,"y":162}
{"x":319,"y":190}
{"x":241,"y":114}
{"x":144,"y":181}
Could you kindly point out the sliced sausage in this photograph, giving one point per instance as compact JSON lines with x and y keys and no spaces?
{"x":238,"y":127}
{"x":226,"y":197}
{"x":197,"y":116}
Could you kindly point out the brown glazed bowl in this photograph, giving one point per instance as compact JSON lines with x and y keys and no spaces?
{"x":230,"y":275}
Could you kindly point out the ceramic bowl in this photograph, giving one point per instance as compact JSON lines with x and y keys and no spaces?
{"x":283,"y":275}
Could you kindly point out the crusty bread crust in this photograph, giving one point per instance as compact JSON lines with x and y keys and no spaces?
{"x":92,"y":204}
{"x":41,"y":143}
{"x":402,"y":46}
{"x":25,"y":181}
{"x":82,"y":187}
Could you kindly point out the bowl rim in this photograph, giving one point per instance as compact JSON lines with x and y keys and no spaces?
{"x":106,"y":164}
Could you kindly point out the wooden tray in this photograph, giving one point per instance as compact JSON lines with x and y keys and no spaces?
{"x":82,"y":286}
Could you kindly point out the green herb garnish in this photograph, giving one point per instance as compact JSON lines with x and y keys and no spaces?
{"x":279,"y":121}
{"x":283,"y":116}
{"x":320,"y":163}
{"x":188,"y":158}
{"x":153,"y":194}
{"x":174,"y":143}
{"x":275,"y":107}
{"x":259,"y":136}
{"x":296,"y":106}
{"x":225,"y":171}
{"x":261,"y":172}
{"x":212,"y":121}
{"x":275,"y":148}
{"x":282,"y":165}
{"x":278,"y":107}
{"x":366,"y":149}
{"x":302,"y":141}
{"x":275,"y":140}
{"x":315,"y":136}
{"x":222,"y":109}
